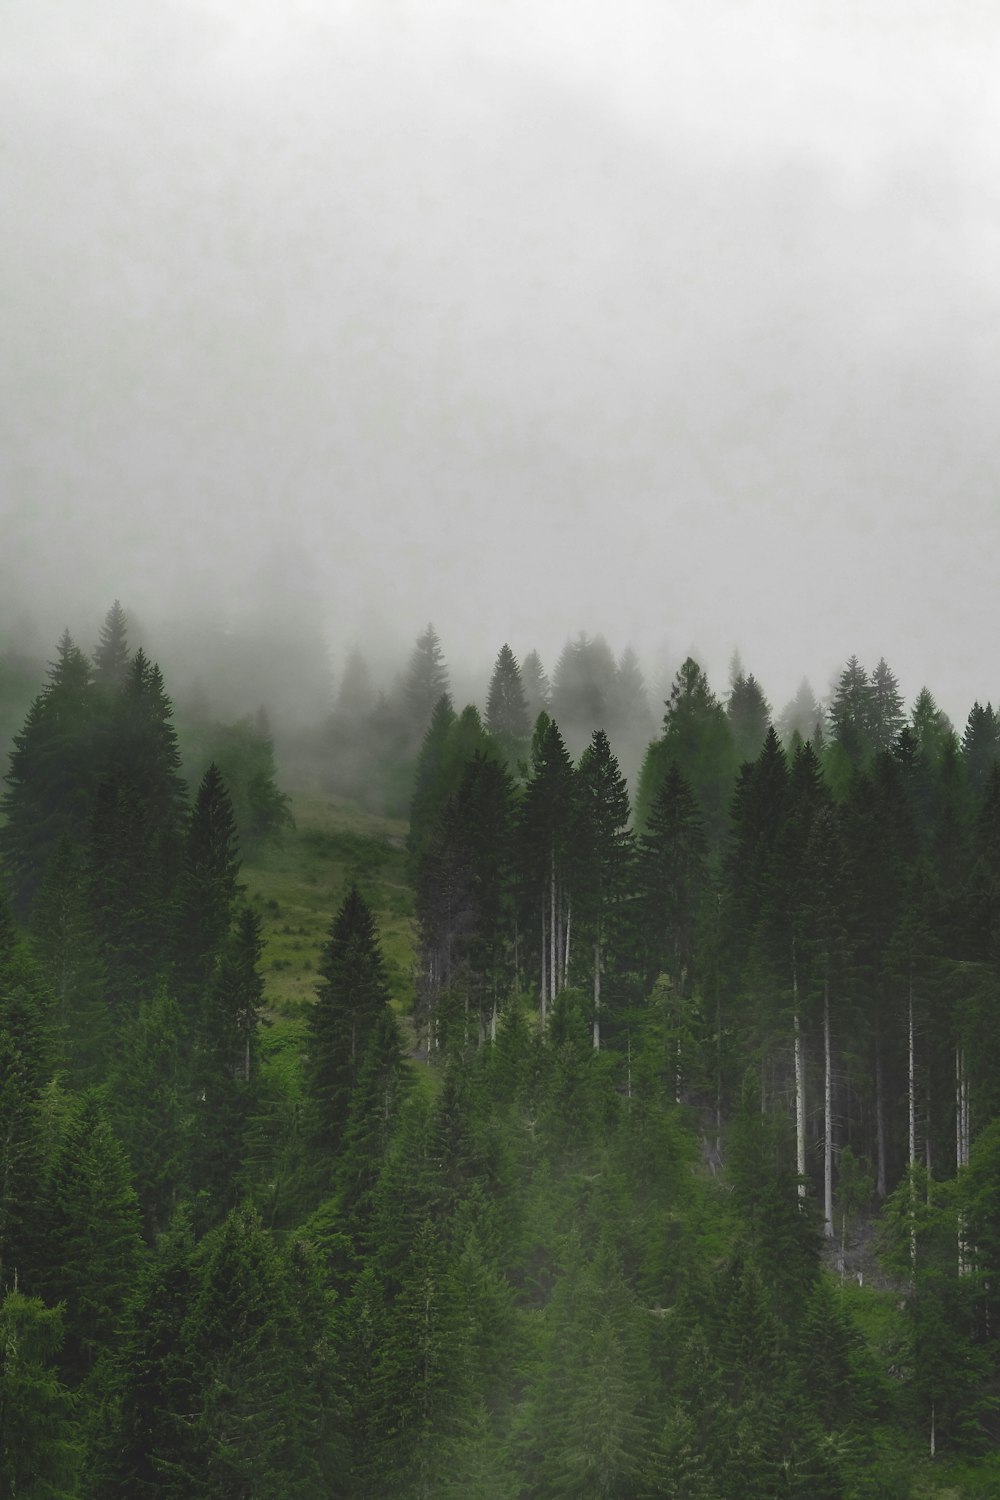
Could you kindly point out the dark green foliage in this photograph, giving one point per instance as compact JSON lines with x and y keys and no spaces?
{"x":603,"y":861}
{"x":506,"y":710}
{"x":671,"y":881}
{"x":39,"y":1449}
{"x":252,"y":1374}
{"x":349,"y":1003}
{"x":426,"y":680}
{"x":697,"y":739}
{"x":51,"y":775}
{"x":749,"y":715}
{"x":206,"y":892}
{"x":92,"y":1250}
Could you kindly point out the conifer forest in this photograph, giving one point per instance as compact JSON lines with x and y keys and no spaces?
{"x":582,"y":1093}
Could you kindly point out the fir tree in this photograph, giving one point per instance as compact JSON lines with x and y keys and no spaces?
{"x":537,"y":691}
{"x":39,"y":1446}
{"x":349,"y":1002}
{"x":605,"y":858}
{"x":206,"y":893}
{"x":506,"y":710}
{"x":426,"y":679}
{"x":111,"y":655}
{"x":749,"y":715}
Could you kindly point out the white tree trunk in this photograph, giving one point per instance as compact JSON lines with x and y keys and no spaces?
{"x":912,"y":1102}
{"x":545,"y":995}
{"x":553,"y":936}
{"x":565,"y":957}
{"x":880,"y":1178}
{"x":597,"y":995}
{"x":800,"y":1081}
{"x":827,"y":1112}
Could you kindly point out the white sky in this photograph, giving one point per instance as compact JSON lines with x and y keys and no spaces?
{"x":678,"y":321}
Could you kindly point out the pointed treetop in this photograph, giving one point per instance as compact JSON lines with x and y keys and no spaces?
{"x":426,"y":677}
{"x":506,"y":709}
{"x":111,"y":658}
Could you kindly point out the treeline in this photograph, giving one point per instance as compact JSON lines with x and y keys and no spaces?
{"x":578,"y":1254}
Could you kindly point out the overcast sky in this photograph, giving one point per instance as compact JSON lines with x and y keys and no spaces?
{"x":678,"y":321}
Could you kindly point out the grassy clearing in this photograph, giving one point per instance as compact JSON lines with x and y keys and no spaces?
{"x":297,"y":887}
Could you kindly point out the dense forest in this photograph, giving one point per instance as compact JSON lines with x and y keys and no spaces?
{"x":665,"y":1165}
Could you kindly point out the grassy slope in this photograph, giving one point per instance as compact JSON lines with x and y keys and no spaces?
{"x":298,"y":886}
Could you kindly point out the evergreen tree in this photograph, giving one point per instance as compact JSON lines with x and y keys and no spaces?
{"x":430,"y":786}
{"x":548,"y":810}
{"x":802,"y":716}
{"x":886,"y":707}
{"x":749,"y":715}
{"x":349,"y":1003}
{"x":697,"y":739}
{"x":536,"y":687}
{"x":506,"y":710}
{"x":92,"y":1249}
{"x":39,"y":1448}
{"x":605,"y":858}
{"x":672,"y":879}
{"x":980,"y":745}
{"x":111,"y":655}
{"x":851,"y":713}
{"x":426,"y":679}
{"x":206,"y":893}
{"x":144,"y":1444}
{"x":251,"y":1399}
{"x":51,"y":776}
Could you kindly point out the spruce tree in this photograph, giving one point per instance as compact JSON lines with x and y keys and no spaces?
{"x":749,"y":715}
{"x":537,"y":690}
{"x":506,"y":710}
{"x":605,"y":856}
{"x":206,"y":893}
{"x":426,"y":679}
{"x":111,"y":655}
{"x":546,"y":832}
{"x":40,"y":1452}
{"x":349,"y":1002}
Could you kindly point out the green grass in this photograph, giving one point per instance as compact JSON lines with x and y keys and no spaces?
{"x":297,"y":886}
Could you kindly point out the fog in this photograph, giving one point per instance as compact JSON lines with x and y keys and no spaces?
{"x":678,"y":323}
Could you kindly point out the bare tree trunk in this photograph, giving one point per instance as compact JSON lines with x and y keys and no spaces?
{"x":912,"y":1102}
{"x":597,"y":995}
{"x":800,"y":1080}
{"x":961,"y":1148}
{"x":880,"y":1179}
{"x":553,"y":929}
{"x":827,"y":1110}
{"x":569,"y":923}
{"x":544,"y":992}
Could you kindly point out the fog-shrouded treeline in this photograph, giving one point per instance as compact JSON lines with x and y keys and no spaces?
{"x":591,"y":1220}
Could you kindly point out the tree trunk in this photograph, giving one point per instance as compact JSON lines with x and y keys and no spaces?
{"x":827,"y":1111}
{"x":553,"y":934}
{"x":880,"y":1180}
{"x":597,"y":995}
{"x":545,"y":995}
{"x":912,"y":1102}
{"x":800,"y":1080}
{"x":569,"y":923}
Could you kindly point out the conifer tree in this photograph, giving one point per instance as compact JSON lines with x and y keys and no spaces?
{"x":51,"y":776}
{"x":671,"y":878}
{"x":605,"y":858}
{"x":749,"y":715}
{"x":429,"y":781}
{"x":206,"y":893}
{"x":886,"y":706}
{"x":426,"y":679}
{"x":697,"y":739}
{"x":506,"y":710}
{"x":548,"y":810}
{"x":850,"y":713}
{"x":111,"y":655}
{"x":349,"y":1003}
{"x":980,"y":744}
{"x":537,"y":690}
{"x":39,"y":1446}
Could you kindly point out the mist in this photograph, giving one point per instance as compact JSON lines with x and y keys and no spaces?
{"x":325,"y":322}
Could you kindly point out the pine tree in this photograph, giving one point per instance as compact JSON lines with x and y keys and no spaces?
{"x":802,"y":716}
{"x":749,"y":715}
{"x":250,"y":1387}
{"x":537,"y":690}
{"x":672,"y":878}
{"x":111,"y":655}
{"x":506,"y":710}
{"x":92,"y":1246}
{"x":430,"y":787}
{"x":605,"y":858}
{"x":349,"y":1002}
{"x":980,"y":745}
{"x":206,"y":893}
{"x":886,"y":707}
{"x":426,"y":679}
{"x":548,"y":810}
{"x":39,"y":1446}
{"x":51,"y":776}
{"x":697,"y":739}
{"x":850,"y":713}
{"x":373,"y":1114}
